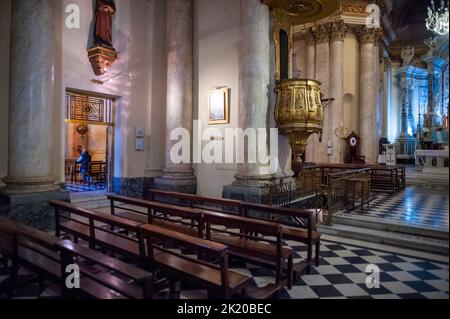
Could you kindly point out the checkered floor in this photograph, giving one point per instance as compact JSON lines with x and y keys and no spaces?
{"x":342,"y":274}
{"x":78,"y":188}
{"x":416,"y":206}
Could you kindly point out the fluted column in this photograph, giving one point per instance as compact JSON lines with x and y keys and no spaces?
{"x":31,"y":105}
{"x":181,"y":176}
{"x":368,"y":110}
{"x":338,"y":32}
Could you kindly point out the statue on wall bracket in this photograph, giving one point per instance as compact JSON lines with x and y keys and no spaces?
{"x":102,"y":55}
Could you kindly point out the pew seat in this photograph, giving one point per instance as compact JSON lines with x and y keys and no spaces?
{"x":217,"y":278}
{"x":48,"y":257}
{"x":104,"y":239}
{"x":202,"y":274}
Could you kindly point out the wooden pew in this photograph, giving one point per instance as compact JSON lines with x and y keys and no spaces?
{"x":195,"y":201}
{"x":247,"y":242}
{"x":198,"y":217}
{"x":184,"y":220}
{"x":305,"y":235}
{"x":48,"y":257}
{"x":137,"y":285}
{"x":90,"y":226}
{"x":218,"y":280}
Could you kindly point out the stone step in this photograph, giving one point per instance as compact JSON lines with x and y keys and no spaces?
{"x":433,"y":245}
{"x":93,"y":204}
{"x":420,"y":178}
{"x":390,"y":226}
{"x":92,"y":200}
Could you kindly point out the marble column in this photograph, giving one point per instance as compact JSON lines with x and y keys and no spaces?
{"x":406,"y":142}
{"x":434,"y":67}
{"x":368,"y":101}
{"x":30,"y":183}
{"x":310,"y":40}
{"x":179,"y":112}
{"x":254,"y":81}
{"x":323,"y":33}
{"x":338,"y":32}
{"x":31,"y":106}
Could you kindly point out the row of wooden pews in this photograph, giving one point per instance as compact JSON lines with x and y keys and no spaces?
{"x":154,"y":235}
{"x":150,"y":243}
{"x":247,"y":238}
{"x":250,"y":243}
{"x":298,"y":224}
{"x":48,"y":257}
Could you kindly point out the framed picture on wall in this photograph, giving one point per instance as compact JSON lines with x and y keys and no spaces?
{"x":219,"y":106}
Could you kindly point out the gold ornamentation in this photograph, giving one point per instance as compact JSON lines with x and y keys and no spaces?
{"x":299,"y":112}
{"x":305,"y":11}
{"x":354,"y":8}
{"x":101,"y":58}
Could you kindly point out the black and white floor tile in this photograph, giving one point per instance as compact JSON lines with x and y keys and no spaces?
{"x":425,"y":207}
{"x":341,"y":275}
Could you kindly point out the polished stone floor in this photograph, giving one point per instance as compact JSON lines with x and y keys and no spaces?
{"x":416,"y":206}
{"x":341,"y":275}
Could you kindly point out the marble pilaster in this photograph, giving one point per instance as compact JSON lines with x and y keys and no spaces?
{"x":179,"y":108}
{"x":368,"y":126}
{"x":323,"y":34}
{"x":310,"y":39}
{"x":338,"y":32}
{"x":254,"y":81}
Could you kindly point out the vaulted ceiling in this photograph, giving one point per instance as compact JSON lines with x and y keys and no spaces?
{"x":408,"y":20}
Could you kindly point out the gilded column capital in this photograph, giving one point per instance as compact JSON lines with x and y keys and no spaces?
{"x":370,"y":35}
{"x":322,"y":33}
{"x":338,"y":31}
{"x":309,"y":37}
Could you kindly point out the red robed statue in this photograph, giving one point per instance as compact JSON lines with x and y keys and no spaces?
{"x":103,"y":22}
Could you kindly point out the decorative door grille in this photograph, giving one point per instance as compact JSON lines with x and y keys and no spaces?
{"x":89,"y":109}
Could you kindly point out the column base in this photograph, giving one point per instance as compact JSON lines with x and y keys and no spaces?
{"x":250,"y":188}
{"x":132,"y":187}
{"x":30,"y":185}
{"x":32,"y":209}
{"x":251,"y":194}
{"x":176,"y":182}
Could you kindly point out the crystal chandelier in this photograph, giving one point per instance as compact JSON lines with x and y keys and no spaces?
{"x":437,"y":20}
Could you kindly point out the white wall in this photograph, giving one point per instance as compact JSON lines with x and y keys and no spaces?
{"x":139,"y":99}
{"x":216,"y":64}
{"x":5,"y":24}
